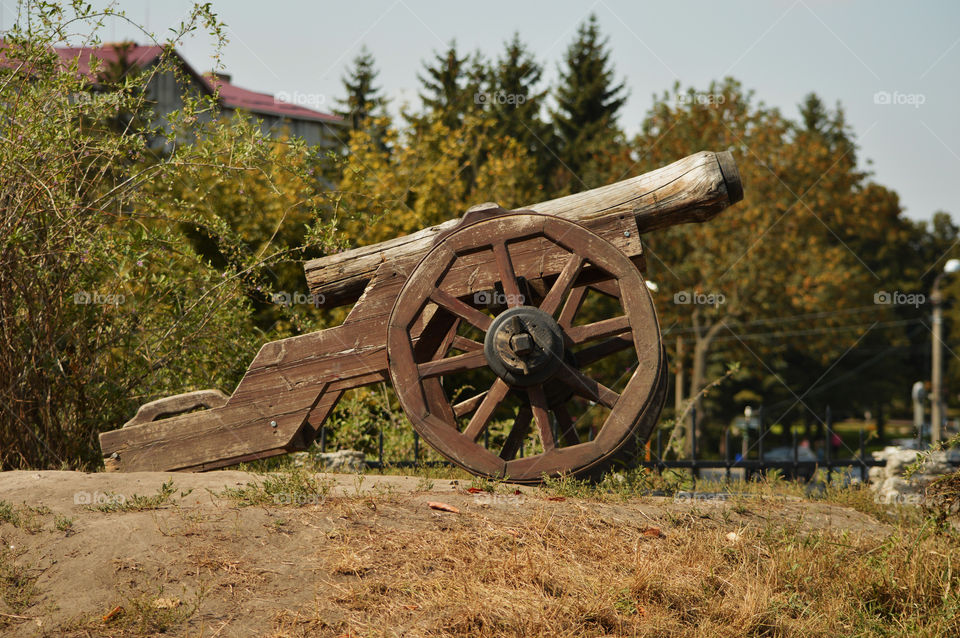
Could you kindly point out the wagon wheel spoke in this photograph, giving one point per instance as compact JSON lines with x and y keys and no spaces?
{"x":587,"y":387}
{"x":451,"y":365}
{"x":592,"y":354}
{"x":484,"y":412}
{"x":468,"y":405}
{"x":566,"y":425}
{"x":461,"y":309}
{"x":436,"y":340}
{"x":572,"y":306}
{"x":563,"y":284}
{"x":532,"y":348}
{"x":466,"y":345}
{"x":538,"y":405}
{"x":511,"y":288}
{"x":609,"y":288}
{"x":598,"y":330}
{"x":518,"y":433}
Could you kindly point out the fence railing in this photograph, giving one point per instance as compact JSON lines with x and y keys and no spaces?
{"x":753,"y":459}
{"x":793,"y":467}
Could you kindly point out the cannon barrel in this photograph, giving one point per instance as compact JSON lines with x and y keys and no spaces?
{"x":693,"y":189}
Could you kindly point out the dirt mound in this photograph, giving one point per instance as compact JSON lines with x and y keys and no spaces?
{"x":212,"y":555}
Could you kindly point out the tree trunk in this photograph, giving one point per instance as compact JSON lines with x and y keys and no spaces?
{"x":704,"y":336}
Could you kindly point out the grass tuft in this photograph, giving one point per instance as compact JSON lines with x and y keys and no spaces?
{"x":295,"y":487}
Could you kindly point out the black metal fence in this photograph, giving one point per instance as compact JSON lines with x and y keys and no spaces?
{"x":753,"y":460}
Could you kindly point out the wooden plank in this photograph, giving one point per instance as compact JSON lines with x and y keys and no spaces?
{"x":693,"y":189}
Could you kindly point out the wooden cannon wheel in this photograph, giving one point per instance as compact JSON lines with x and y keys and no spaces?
{"x":523,"y":348}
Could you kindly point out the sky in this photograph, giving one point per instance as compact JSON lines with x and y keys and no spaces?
{"x":894,"y":66}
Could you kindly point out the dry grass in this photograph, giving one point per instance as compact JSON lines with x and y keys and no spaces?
{"x":583,"y":575}
{"x":287,"y":555}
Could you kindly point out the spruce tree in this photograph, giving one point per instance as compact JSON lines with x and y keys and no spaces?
{"x":452,"y":86}
{"x":514,"y":101}
{"x":363,"y":98}
{"x":588,"y":99}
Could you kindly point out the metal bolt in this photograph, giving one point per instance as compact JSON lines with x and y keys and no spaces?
{"x":626,"y":233}
{"x":273,"y":424}
{"x":521,"y":343}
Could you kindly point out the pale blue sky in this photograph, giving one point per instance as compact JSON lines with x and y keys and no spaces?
{"x":846,"y":51}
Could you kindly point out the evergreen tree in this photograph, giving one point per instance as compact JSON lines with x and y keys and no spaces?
{"x":588,"y":99}
{"x":832,"y":127}
{"x":515,"y":103}
{"x":452,"y":87}
{"x":363,"y":98}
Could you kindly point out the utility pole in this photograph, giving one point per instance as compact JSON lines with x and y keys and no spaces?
{"x":678,"y":399}
{"x":936,"y":374}
{"x":936,"y":358}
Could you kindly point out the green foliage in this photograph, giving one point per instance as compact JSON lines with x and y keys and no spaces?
{"x":291,"y":487}
{"x":363,"y":99}
{"x":588,"y":102}
{"x":515,"y":101}
{"x":452,"y":87}
{"x":8,"y":514}
{"x":129,"y":269}
{"x":139,"y":503}
{"x":63,"y":523}
{"x":17,"y":583}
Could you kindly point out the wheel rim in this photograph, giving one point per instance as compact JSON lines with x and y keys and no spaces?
{"x":429,"y":340}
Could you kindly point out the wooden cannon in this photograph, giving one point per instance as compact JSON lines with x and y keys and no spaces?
{"x":483,"y":328}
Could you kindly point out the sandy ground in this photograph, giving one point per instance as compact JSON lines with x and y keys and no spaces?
{"x":210,"y":567}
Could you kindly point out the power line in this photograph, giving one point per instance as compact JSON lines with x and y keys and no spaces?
{"x":811,"y":331}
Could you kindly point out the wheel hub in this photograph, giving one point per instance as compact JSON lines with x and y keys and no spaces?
{"x":524,"y":346}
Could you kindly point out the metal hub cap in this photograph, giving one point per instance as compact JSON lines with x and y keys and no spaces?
{"x":524,"y":346}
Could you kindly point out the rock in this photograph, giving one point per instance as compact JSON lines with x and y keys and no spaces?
{"x":341,"y":461}
{"x":891,"y":485}
{"x":301,"y":459}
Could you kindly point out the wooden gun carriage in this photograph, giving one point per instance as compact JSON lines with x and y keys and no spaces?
{"x":481,"y":326}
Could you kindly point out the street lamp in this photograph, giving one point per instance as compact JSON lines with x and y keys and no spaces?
{"x":936,"y":359}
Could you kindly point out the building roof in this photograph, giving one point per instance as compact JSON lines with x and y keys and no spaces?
{"x":231,"y":96}
{"x":139,"y":55}
{"x":235,"y":97}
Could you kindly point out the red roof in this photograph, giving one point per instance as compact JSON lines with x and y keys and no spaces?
{"x":235,"y":97}
{"x":231,"y":96}
{"x":141,"y":56}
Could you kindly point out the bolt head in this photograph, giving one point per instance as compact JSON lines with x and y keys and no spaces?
{"x":521,"y":343}
{"x":273,"y":424}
